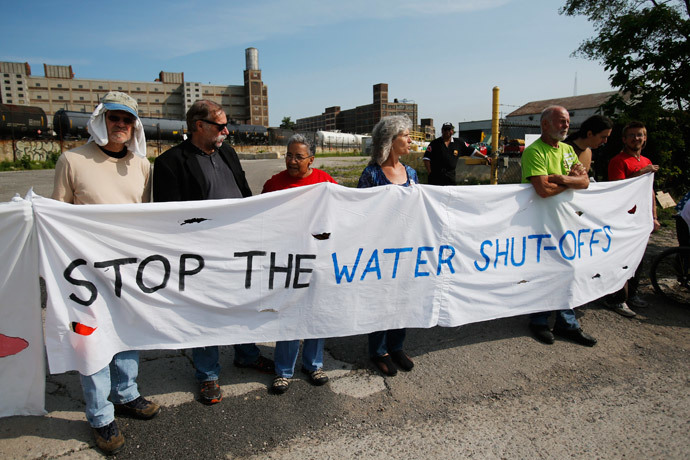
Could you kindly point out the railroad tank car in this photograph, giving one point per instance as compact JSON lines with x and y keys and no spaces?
{"x":18,"y":121}
{"x":68,"y":123}
{"x":326,"y":139}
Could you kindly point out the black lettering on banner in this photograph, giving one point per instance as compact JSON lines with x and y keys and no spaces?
{"x":298,"y":259}
{"x":287,"y":270}
{"x":140,"y":273}
{"x":87,"y":284}
{"x":116,"y":263}
{"x":250,"y":257}
{"x":183,"y":267}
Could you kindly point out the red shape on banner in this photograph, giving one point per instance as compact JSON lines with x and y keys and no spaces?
{"x":11,"y":345}
{"x":82,"y":329}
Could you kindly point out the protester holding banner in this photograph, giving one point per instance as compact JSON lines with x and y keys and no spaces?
{"x":593,"y":133}
{"x":205,"y":168}
{"x":631,"y":163}
{"x":298,"y":172}
{"x":390,"y":140}
{"x":109,"y":169}
{"x":552,"y":167}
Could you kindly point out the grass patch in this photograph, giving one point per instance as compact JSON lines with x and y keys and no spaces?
{"x":26,"y":163}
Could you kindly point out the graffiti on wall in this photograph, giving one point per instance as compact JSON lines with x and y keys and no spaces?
{"x":36,"y":150}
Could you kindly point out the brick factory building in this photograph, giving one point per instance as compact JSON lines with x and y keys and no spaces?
{"x":360,"y":120}
{"x":169,"y":96}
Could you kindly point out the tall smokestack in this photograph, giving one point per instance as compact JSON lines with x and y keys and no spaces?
{"x":252,"y":57}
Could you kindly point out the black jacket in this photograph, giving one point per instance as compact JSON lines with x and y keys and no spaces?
{"x":177,"y":175}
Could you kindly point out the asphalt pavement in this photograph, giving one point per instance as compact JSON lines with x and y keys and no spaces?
{"x":485,"y":390}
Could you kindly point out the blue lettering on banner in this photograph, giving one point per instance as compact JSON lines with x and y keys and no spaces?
{"x":446,"y":253}
{"x":569,"y":247}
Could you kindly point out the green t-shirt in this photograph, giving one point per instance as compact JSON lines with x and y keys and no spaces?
{"x":540,"y":159}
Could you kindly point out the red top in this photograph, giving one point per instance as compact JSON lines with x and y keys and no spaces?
{"x":623,"y":165}
{"x":283,"y":180}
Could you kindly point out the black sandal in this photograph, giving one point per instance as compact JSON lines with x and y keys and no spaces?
{"x":385,"y":365}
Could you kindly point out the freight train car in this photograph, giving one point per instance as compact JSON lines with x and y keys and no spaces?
{"x":21,"y":121}
{"x":70,"y":124}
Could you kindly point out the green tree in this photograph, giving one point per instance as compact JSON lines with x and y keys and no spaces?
{"x":644,"y":46}
{"x":287,"y":123}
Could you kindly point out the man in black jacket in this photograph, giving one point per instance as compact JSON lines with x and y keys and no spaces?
{"x":205,"y":168}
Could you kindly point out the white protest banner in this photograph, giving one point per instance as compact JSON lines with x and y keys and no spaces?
{"x":326,"y":261}
{"x":22,"y":366}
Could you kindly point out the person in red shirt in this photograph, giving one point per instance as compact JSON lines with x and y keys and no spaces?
{"x":298,"y":172}
{"x":630,"y":163}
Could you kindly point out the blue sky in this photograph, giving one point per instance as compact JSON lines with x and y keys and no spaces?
{"x":446,"y":55}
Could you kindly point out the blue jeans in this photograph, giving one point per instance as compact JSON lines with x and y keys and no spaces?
{"x":565,"y":319}
{"x":382,"y":342}
{"x":207,"y":364}
{"x":117,"y":381}
{"x":285,"y":356}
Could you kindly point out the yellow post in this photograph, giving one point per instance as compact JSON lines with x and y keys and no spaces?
{"x":494,"y":136}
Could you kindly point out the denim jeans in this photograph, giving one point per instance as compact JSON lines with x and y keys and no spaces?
{"x":565,"y":319}
{"x":117,"y":381}
{"x":382,"y":342}
{"x":285,"y":356}
{"x":206,"y":360}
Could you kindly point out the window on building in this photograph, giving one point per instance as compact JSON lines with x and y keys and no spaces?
{"x":60,"y":97}
{"x":20,"y":95}
{"x":59,"y":85}
{"x":8,"y":88}
{"x":157,"y":100}
{"x":100,"y":87}
{"x":119,"y":87}
{"x":19,"y":82}
{"x":19,"y":76}
{"x":38,"y":97}
{"x":81,"y":98}
{"x":9,"y":101}
{"x":7,"y":82}
{"x":6,"y":75}
{"x":38,"y":84}
{"x":81,"y":86}
{"x":8,"y":94}
{"x":155,"y":89}
{"x":138,"y":89}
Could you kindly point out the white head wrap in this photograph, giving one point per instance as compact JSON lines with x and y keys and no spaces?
{"x":99,"y":132}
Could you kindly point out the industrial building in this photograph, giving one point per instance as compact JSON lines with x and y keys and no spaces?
{"x":169,"y":96}
{"x":360,"y":120}
{"x":525,"y":120}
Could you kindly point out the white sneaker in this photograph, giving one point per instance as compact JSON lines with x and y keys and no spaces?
{"x":623,"y":309}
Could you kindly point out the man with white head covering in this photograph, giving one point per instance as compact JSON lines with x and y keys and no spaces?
{"x":111,"y":168}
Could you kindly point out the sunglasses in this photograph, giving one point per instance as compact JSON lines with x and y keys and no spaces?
{"x":117,"y":118}
{"x":219,"y":126}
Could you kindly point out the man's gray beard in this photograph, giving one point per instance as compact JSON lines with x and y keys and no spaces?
{"x":560,"y":136}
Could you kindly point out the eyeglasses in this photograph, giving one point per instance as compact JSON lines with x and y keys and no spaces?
{"x":290,"y":156}
{"x":219,"y":126}
{"x":116,"y":119}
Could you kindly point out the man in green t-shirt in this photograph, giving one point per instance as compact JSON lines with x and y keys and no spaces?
{"x":552,"y":167}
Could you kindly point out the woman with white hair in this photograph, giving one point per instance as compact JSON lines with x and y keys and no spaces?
{"x":390,"y":140}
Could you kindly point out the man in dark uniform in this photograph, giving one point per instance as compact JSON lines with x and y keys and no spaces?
{"x":441,"y":156}
{"x":205,"y":168}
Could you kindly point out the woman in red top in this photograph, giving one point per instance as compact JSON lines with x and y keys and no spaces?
{"x":298,"y":172}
